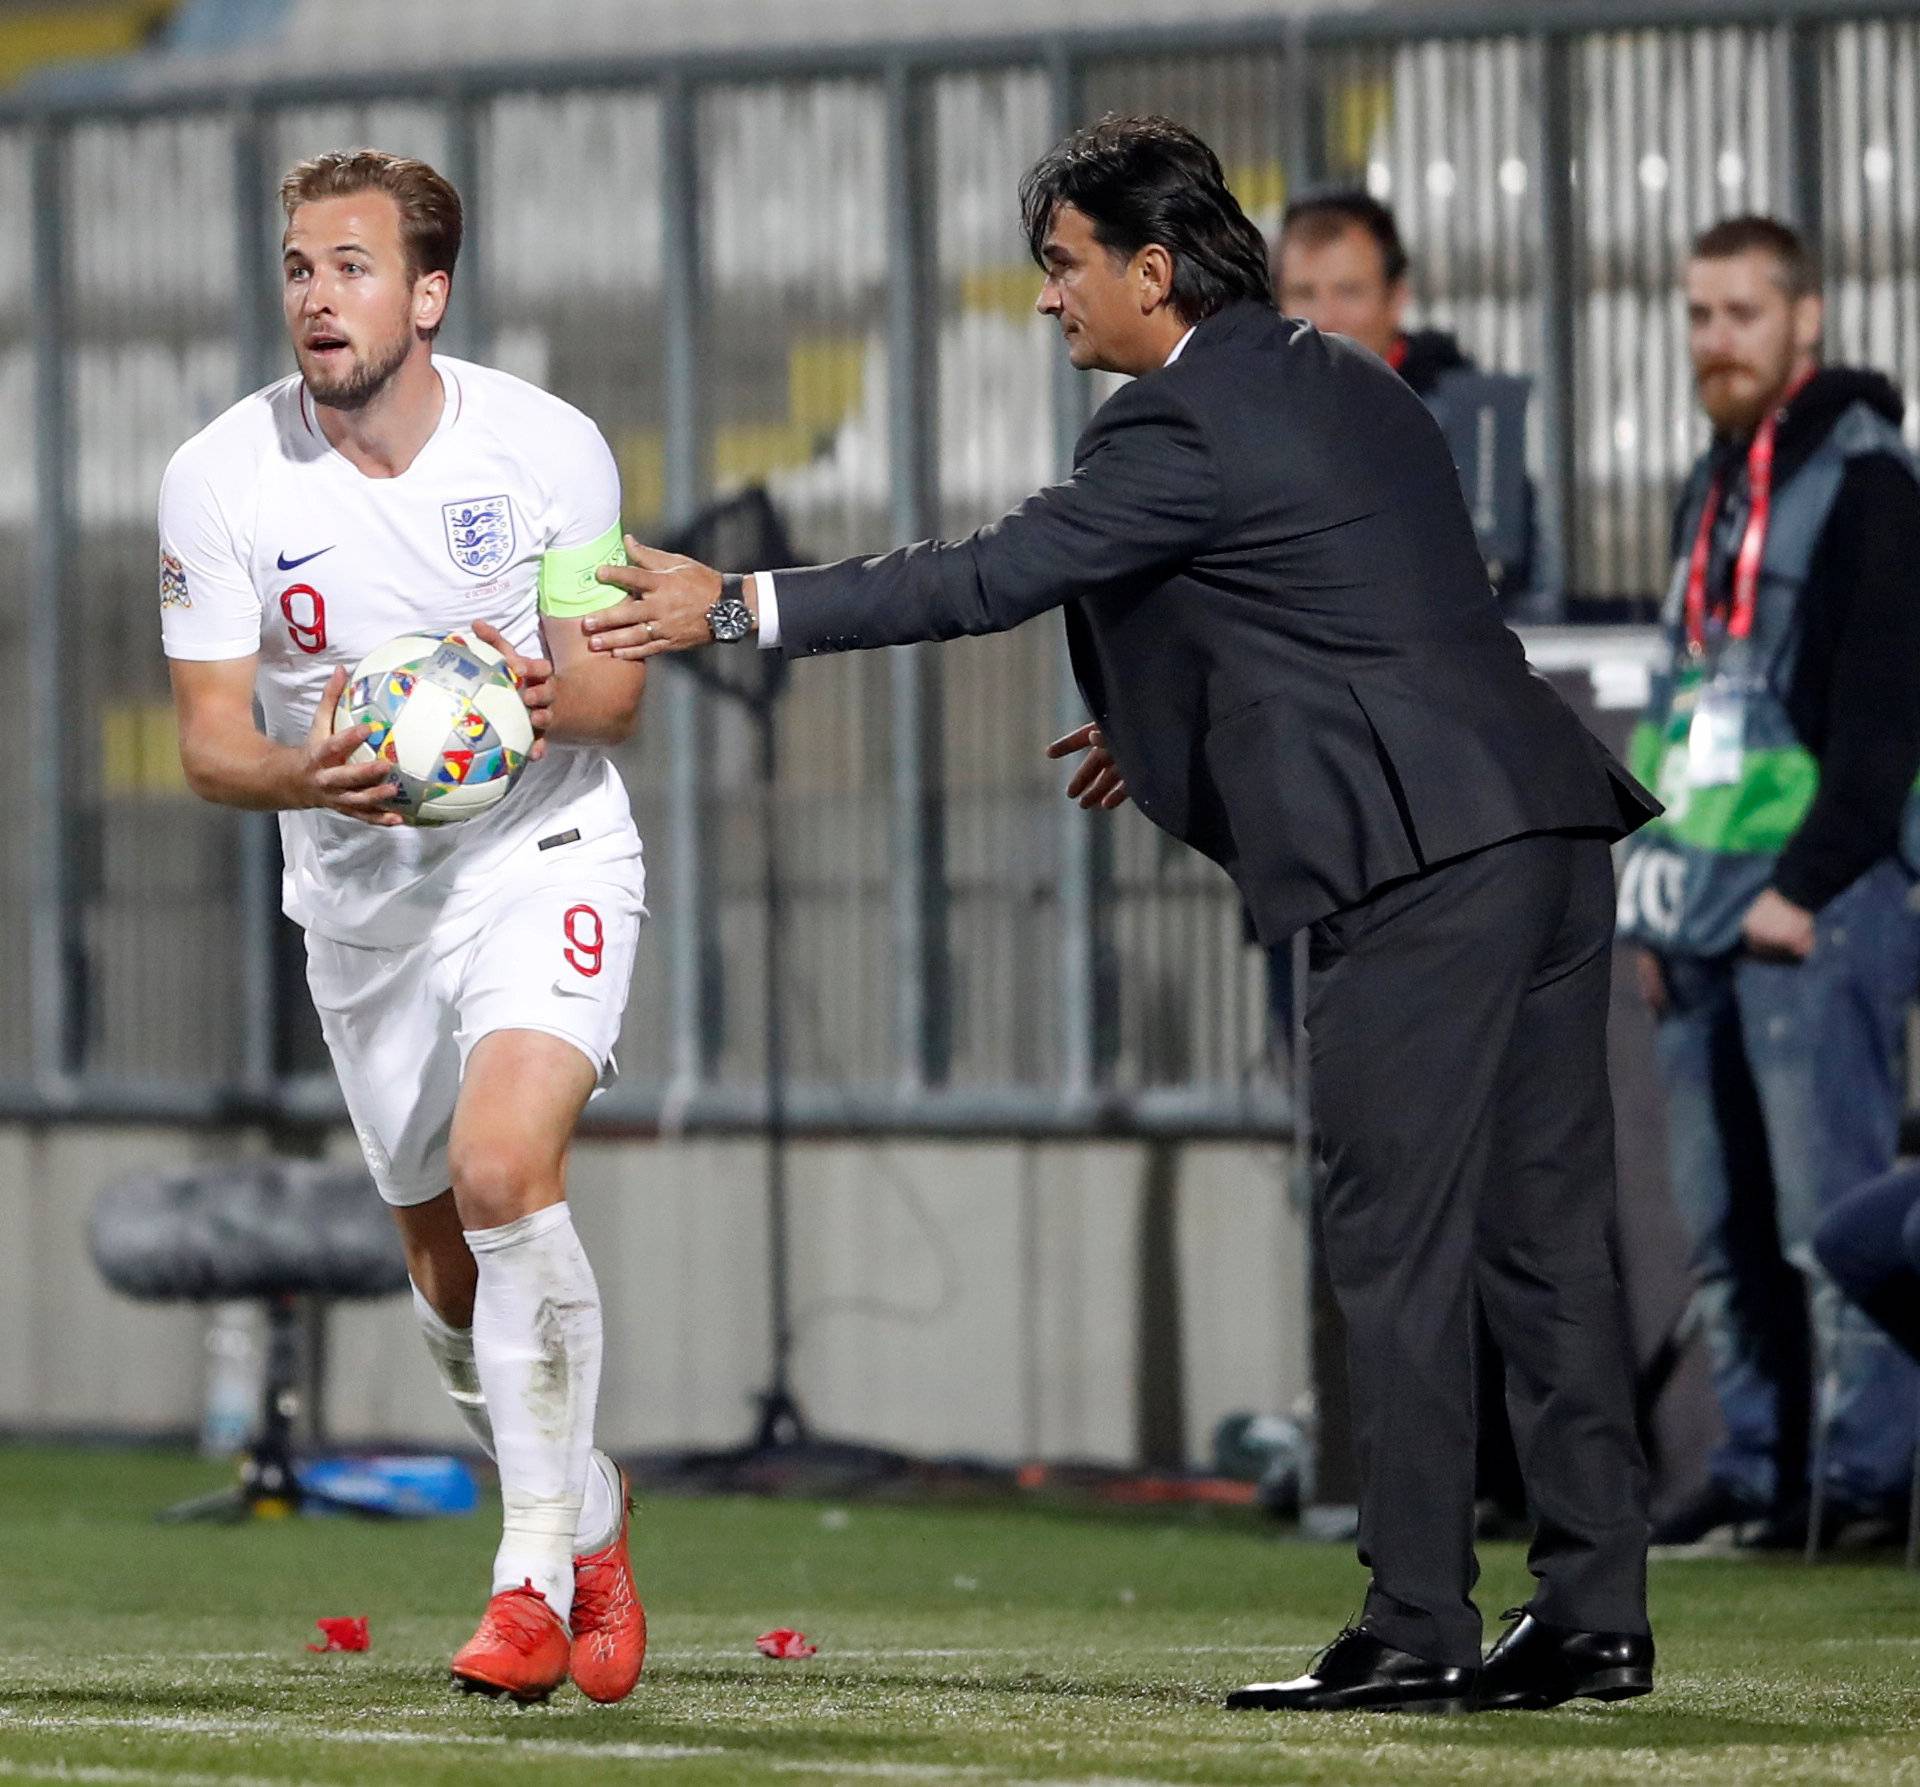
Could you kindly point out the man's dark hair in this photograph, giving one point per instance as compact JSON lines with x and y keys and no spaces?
{"x":1731,"y":236}
{"x":1145,"y":180}
{"x":1320,"y":217}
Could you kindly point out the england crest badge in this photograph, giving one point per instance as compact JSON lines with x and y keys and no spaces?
{"x":480,"y":534}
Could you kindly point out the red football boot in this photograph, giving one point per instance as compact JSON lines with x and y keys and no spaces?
{"x":609,"y":1624}
{"x":520,"y":1649}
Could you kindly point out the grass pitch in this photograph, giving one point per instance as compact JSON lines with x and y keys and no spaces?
{"x":979,"y":1645}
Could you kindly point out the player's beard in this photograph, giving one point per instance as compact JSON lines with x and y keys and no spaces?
{"x":364,"y":380}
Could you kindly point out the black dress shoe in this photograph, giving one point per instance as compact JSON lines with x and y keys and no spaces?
{"x":1357,"y":1673}
{"x":1535,"y":1666}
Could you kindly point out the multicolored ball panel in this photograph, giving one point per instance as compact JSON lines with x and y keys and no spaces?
{"x":445,"y":713}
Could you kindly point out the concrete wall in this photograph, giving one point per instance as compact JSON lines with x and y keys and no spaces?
{"x":1051,"y":1301}
{"x":72,"y":1353}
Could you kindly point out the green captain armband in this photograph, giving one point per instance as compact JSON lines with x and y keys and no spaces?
{"x":567,"y":586}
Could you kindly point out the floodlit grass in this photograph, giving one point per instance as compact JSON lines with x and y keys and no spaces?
{"x":964,"y":1644}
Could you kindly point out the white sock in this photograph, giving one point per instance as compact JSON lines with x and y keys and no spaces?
{"x":452,"y":1351}
{"x":536,"y":1344}
{"x":601,"y":1512}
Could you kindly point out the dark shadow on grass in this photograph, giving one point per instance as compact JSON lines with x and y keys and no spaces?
{"x":1577,"y":1727}
{"x":1570,"y":1728}
{"x":1029,"y":1684}
{"x":234,"y":1701}
{"x":164,"y":1699}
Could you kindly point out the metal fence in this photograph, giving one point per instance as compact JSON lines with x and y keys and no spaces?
{"x":805,"y":270}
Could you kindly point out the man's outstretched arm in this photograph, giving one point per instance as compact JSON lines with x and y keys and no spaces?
{"x":1142,"y":500}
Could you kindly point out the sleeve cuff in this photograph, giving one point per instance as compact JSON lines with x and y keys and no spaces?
{"x":210,"y":651}
{"x":768,"y":604}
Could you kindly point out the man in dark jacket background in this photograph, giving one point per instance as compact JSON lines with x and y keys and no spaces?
{"x":1774,"y":899}
{"x":1282,"y":628}
{"x":1339,"y":261}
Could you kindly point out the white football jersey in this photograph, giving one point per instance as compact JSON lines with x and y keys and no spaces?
{"x":272,"y":542}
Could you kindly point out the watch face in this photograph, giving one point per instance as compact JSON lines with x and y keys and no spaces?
{"x":731,"y":620}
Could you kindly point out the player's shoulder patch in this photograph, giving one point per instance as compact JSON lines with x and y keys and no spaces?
{"x":175,"y":592}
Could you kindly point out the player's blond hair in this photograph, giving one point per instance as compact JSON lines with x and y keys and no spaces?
{"x":430,"y":215}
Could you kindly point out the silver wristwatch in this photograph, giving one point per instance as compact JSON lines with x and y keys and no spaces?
{"x":730,"y":619}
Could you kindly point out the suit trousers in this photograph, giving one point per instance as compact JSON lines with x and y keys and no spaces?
{"x":1456,"y":1024}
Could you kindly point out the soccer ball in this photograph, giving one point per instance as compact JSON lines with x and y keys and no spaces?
{"x":447,"y":721}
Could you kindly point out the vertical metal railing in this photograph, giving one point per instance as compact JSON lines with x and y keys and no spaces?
{"x":468,"y":331}
{"x":921,"y":1009}
{"x":256,"y":324}
{"x":685,"y":475}
{"x":1302,"y":127}
{"x":1084,"y":853}
{"x":1561,"y":283}
{"x":1802,"y":110}
{"x":54,"y":910}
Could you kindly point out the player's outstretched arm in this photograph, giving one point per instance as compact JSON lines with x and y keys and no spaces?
{"x":596,"y":698}
{"x":229,"y":760}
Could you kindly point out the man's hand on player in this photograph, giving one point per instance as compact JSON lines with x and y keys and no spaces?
{"x":666,"y":607}
{"x":1097,"y":782}
{"x":324,"y":777}
{"x":535,"y":676}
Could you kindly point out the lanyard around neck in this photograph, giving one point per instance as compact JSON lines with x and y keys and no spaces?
{"x":1746,"y":565}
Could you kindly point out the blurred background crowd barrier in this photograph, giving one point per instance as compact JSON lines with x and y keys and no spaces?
{"x":799,"y":266}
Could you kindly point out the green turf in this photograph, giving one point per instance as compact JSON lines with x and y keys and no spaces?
{"x":956,"y":1644}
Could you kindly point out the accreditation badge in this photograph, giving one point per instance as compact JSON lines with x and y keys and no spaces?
{"x":1717,"y":735}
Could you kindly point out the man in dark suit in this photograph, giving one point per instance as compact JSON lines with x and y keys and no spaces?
{"x":1285,"y":636}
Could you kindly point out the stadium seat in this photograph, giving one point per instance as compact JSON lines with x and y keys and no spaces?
{"x":271,"y":1230}
{"x":76,"y":34}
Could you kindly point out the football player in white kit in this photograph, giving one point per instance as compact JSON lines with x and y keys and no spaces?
{"x":470,"y":979}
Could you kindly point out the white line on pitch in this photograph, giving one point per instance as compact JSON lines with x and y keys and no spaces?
{"x":187,"y":1724}
{"x":106,"y":1775}
{"x":529,"y":1749}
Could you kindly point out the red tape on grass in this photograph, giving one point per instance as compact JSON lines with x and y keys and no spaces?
{"x":784,"y":1644}
{"x":343,"y":1634}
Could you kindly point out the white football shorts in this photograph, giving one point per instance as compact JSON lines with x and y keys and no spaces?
{"x":551,"y":949}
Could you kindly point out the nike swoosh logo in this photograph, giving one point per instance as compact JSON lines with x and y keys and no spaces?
{"x":293,"y":564}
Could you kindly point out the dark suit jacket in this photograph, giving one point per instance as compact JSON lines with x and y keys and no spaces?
{"x":1277,"y":614}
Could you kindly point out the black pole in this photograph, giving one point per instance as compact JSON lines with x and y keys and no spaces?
{"x":745,"y":531}
{"x":780,"y":1419}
